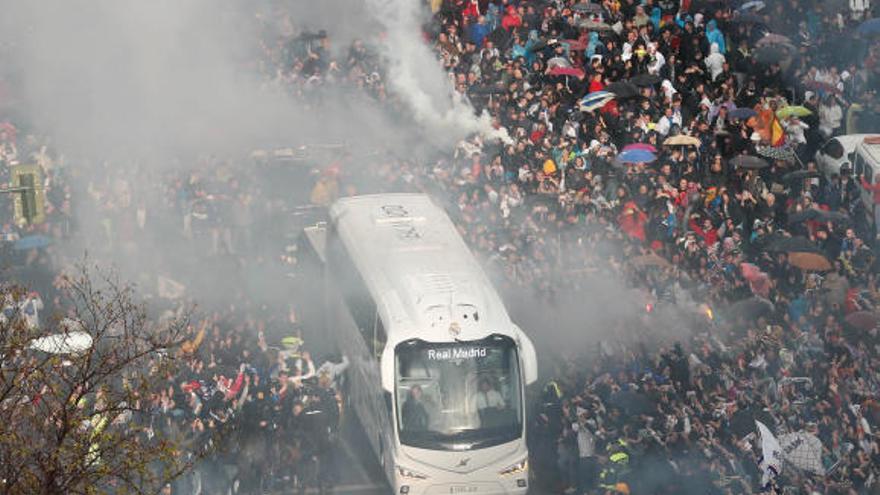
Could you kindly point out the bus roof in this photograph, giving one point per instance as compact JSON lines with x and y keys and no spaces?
{"x":424,"y":279}
{"x":871,"y":147}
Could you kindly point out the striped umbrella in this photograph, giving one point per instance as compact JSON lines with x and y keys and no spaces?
{"x":592,"y":25}
{"x":779,"y":153}
{"x":595,"y":101}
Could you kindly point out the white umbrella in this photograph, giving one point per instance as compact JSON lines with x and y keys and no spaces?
{"x":558,"y":62}
{"x":63,"y":343}
{"x":771,"y":456}
{"x":803,"y":451}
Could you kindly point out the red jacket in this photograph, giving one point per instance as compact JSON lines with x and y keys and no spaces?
{"x":511,"y":19}
{"x":710,"y":237}
{"x":632,"y":221}
{"x":472,"y":9}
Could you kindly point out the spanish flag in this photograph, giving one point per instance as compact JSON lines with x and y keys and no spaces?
{"x":768,"y":127}
{"x":777,"y":133}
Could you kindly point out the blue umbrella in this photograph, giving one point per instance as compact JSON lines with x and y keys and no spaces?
{"x":595,"y":100}
{"x":636,"y":156}
{"x":742,"y":113}
{"x":32,"y":242}
{"x":870,"y":27}
{"x":754,"y":5}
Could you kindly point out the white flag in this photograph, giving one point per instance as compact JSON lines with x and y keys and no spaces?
{"x":771,"y":456}
{"x":803,"y":451}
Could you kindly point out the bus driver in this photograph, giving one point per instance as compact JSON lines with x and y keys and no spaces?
{"x":414,"y":415}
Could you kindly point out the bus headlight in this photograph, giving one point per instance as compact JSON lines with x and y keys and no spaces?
{"x":410,"y":474}
{"x":517,"y":468}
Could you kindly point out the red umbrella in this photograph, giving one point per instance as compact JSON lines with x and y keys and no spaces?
{"x":577,"y":45}
{"x":640,"y":146}
{"x":567,"y":71}
{"x":862,"y":320}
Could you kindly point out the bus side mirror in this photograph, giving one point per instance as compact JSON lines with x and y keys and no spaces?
{"x":529,"y":358}
{"x":386,"y":370}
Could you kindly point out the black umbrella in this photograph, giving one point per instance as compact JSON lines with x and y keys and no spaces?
{"x":743,"y":421}
{"x":752,"y":307}
{"x":818,"y":215}
{"x":772,"y":54}
{"x":774,"y":39}
{"x":623,"y":89}
{"x":748,"y":161}
{"x":747,"y":18}
{"x":645,"y":80}
{"x":792,"y":244}
{"x":632,"y":403}
{"x":801,"y":175}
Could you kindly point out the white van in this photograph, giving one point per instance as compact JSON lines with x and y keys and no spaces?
{"x":861,"y":152}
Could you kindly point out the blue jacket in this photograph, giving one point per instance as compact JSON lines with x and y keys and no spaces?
{"x":714,"y":35}
{"x":478,"y":33}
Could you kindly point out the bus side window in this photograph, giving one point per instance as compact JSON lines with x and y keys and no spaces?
{"x":351,"y":285}
{"x":379,"y":337}
{"x":869,"y":174}
{"x":388,"y":404}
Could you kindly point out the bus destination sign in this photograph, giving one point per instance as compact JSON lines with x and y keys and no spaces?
{"x":456,"y":353}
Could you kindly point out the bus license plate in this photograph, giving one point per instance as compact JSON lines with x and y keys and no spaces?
{"x":463,"y":489}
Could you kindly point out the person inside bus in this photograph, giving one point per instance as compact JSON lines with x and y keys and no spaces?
{"x":488,"y":397}
{"x":414,"y":414}
{"x":490,"y":404}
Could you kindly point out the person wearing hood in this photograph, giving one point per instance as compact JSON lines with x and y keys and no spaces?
{"x":715,"y":61}
{"x":641,"y":18}
{"x":512,"y":19}
{"x":527,"y":51}
{"x":493,"y":17}
{"x":714,"y":35}
{"x":627,"y":53}
{"x":479,"y":31}
{"x":656,"y":17}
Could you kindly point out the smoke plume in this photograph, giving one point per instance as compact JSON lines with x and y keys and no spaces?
{"x":419,"y":79}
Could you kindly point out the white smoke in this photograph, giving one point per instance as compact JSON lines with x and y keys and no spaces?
{"x":418,"y":78}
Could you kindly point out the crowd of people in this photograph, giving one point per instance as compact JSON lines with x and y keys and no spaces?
{"x":778,"y":269}
{"x":561,"y":206}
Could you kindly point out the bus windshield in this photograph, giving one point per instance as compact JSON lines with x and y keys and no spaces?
{"x":458,"y":395}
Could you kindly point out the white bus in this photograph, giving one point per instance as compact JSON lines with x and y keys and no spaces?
{"x":438,"y":370}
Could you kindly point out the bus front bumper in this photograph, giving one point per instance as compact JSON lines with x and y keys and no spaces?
{"x":512,"y":486}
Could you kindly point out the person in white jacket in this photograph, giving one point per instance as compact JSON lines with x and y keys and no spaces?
{"x":795,"y":128}
{"x":657,"y":60}
{"x":859,"y":7}
{"x":830,"y":116}
{"x":715,"y":61}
